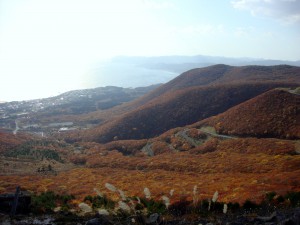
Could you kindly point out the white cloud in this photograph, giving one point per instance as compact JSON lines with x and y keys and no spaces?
{"x":287,"y":11}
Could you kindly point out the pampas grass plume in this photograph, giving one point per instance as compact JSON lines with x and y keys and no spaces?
{"x":195,"y":191}
{"x":103,"y":212}
{"x":122,"y":195}
{"x":110,"y":187}
{"x":85,"y":207}
{"x":124,"y":206}
{"x":225,"y":208}
{"x":215,"y":197}
{"x":166,"y":201}
{"x":147,"y":192}
{"x":98,"y":192}
{"x":172,"y":192}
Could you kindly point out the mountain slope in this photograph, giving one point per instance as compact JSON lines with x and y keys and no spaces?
{"x":208,"y":76}
{"x":194,"y":95}
{"x":175,"y":109}
{"x":67,"y":108}
{"x":8,"y":140}
{"x":251,"y":126}
{"x":224,"y":74}
{"x":272,"y":114}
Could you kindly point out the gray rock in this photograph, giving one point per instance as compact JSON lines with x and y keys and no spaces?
{"x":153,"y":218}
{"x":271,"y":218}
{"x":99,"y":221}
{"x":293,"y":219}
{"x":95,"y":221}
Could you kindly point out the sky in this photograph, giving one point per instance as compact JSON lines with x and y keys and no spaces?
{"x":49,"y":46}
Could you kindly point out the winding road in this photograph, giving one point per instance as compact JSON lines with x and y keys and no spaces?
{"x":17,"y":127}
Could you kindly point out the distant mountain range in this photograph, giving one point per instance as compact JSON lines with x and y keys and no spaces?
{"x":137,"y":71}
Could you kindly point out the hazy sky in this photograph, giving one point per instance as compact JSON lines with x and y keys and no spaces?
{"x":48,"y":46}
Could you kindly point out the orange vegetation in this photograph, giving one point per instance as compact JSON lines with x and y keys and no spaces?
{"x":173,"y":109}
{"x":239,"y":169}
{"x":194,"y":95}
{"x":272,"y":114}
{"x":8,"y":140}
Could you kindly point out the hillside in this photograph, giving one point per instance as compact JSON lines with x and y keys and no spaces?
{"x":239,"y":168}
{"x":50,"y":114}
{"x":272,"y":114}
{"x":224,"y":74}
{"x":207,"y":76}
{"x":241,"y":161}
{"x":8,"y":140}
{"x":193,"y":96}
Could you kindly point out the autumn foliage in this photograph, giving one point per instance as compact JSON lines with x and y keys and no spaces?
{"x":165,"y":141}
{"x":272,"y":114}
{"x":194,"y":95}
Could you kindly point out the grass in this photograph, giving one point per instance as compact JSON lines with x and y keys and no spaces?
{"x":47,"y":201}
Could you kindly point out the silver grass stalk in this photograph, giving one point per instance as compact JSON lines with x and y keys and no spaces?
{"x":195,"y":191}
{"x":166,"y":201}
{"x":147,"y":192}
{"x":124,"y":206}
{"x":110,"y":187}
{"x":85,"y":207}
{"x":209,"y":204}
{"x":215,"y":197}
{"x":103,"y":212}
{"x":195,"y":197}
{"x":225,"y":208}
{"x":122,"y":195}
{"x":172,"y":192}
{"x":139,"y":200}
{"x":98,"y":192}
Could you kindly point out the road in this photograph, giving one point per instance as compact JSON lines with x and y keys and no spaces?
{"x":211,"y":131}
{"x":17,"y":127}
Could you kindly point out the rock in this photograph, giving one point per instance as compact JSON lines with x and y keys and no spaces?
{"x":293,"y":219}
{"x":101,"y":220}
{"x":240,"y":220}
{"x":95,"y":221}
{"x":153,"y":218}
{"x":271,"y":218}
